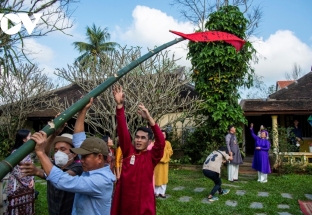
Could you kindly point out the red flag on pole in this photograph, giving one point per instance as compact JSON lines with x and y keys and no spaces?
{"x":210,"y":36}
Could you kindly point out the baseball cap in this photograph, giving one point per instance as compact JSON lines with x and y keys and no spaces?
{"x":91,"y":145}
{"x":67,"y":138}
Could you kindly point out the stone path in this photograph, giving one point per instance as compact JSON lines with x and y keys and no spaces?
{"x":264,"y":194}
{"x":283,"y":206}
{"x":230,"y":185}
{"x":256,"y":205}
{"x":235,"y":203}
{"x":309,"y":196}
{"x":231,"y":203}
{"x":185,"y":199}
{"x":178,"y":188}
{"x":240,"y":192}
{"x":199,"y":189}
{"x":286,"y":195}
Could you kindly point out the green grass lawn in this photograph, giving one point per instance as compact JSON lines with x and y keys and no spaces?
{"x":41,"y":204}
{"x":297,"y":185}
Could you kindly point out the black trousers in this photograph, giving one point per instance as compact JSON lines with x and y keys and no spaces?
{"x":215,"y":177}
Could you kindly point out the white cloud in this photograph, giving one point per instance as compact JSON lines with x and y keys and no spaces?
{"x":42,"y":55}
{"x":151,"y":27}
{"x":279,"y":53}
{"x":48,"y":70}
{"x":39,"y":52}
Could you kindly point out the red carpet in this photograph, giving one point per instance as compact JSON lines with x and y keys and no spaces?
{"x":306,"y":207}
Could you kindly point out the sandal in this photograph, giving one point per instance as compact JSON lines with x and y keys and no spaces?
{"x":162,"y":196}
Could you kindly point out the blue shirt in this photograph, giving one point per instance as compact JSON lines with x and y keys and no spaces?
{"x":93,"y":189}
{"x":78,"y":138}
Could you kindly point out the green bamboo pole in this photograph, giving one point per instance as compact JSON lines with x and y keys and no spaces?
{"x":7,"y":164}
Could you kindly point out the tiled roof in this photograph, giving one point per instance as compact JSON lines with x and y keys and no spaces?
{"x":275,"y":106}
{"x":300,"y":89}
{"x":283,"y":84}
{"x":295,"y":98}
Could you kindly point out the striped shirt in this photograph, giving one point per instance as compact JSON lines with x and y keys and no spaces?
{"x":60,"y":202}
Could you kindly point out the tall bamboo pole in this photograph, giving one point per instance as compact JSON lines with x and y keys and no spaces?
{"x":7,"y":164}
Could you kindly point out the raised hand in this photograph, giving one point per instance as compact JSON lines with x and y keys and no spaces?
{"x":145,"y":114}
{"x":41,"y":140}
{"x":251,"y":125}
{"x":87,"y":107}
{"x":119,"y":96}
{"x":59,"y":130}
{"x":143,"y":111}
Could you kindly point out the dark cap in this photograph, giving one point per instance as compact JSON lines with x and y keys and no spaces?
{"x":91,"y":145}
{"x":67,"y":138}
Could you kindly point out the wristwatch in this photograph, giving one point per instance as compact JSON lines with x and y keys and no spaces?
{"x":45,"y":176}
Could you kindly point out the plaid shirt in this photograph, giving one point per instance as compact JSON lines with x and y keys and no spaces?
{"x":61,"y":202}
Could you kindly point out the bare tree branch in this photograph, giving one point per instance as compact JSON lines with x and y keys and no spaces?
{"x":21,"y":94}
{"x":56,"y":16}
{"x":295,"y":74}
{"x":197,"y":11}
{"x":158,"y":83}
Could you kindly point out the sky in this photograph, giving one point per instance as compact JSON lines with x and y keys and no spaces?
{"x":284,"y":36}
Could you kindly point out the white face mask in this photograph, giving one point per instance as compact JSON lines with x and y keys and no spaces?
{"x":61,"y":158}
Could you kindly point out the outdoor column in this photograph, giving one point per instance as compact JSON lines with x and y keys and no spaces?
{"x":244,"y":139}
{"x":274,"y":133}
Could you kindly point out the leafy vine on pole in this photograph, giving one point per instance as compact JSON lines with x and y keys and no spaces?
{"x":219,"y":71}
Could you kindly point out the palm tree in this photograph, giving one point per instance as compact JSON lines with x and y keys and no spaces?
{"x":96,"y":45}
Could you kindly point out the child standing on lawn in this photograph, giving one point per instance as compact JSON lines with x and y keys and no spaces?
{"x":212,"y":169}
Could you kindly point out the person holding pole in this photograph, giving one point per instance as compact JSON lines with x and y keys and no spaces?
{"x":93,"y":189}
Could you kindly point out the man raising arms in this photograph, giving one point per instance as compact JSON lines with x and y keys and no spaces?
{"x":134,"y":194}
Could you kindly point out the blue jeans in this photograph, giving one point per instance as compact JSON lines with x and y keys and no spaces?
{"x":215,"y":177}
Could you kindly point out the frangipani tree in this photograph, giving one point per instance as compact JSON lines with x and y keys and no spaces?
{"x":158,"y":82}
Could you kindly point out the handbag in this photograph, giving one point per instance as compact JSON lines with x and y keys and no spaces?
{"x":21,"y":201}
